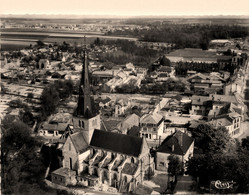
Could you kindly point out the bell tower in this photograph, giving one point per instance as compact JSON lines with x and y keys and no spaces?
{"x":86,"y":116}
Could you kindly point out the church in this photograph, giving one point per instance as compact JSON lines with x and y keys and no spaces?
{"x":94,"y":157}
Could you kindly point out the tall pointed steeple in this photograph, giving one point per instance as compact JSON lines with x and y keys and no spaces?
{"x":86,"y":107}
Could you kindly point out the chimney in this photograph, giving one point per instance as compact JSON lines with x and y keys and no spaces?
{"x":179,"y":137}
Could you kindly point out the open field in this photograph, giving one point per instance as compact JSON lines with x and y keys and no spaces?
{"x":11,"y":40}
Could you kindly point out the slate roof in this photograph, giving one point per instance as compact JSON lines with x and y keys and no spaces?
{"x":226,"y":121}
{"x":229,"y":108}
{"x":128,"y":122}
{"x":151,"y":118}
{"x":110,"y":124}
{"x":86,"y":106}
{"x":104,"y":101}
{"x":200,"y":75}
{"x":129,"y":168}
{"x":199,"y":100}
{"x":55,"y":127}
{"x":125,"y":144}
{"x":133,"y":131}
{"x":179,"y":149}
{"x":64,"y":172}
{"x":224,"y":98}
{"x":79,"y":142}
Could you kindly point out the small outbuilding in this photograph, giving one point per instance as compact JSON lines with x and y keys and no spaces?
{"x":63,"y":176}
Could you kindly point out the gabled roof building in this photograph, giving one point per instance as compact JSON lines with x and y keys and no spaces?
{"x":178,"y":144}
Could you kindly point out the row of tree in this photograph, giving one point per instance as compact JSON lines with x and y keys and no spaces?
{"x":186,"y":35}
{"x":149,"y":87}
{"x":128,"y":52}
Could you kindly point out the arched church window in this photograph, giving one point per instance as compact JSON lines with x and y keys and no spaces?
{"x":82,"y":124}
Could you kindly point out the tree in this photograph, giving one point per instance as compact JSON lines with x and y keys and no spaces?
{"x":30,"y":96}
{"x":49,"y":100}
{"x":174,"y":165}
{"x":226,"y":167}
{"x":245,"y":143}
{"x":211,"y":139}
{"x":223,"y":158}
{"x":60,"y":90}
{"x":22,"y":170}
{"x":15,"y":139}
{"x":28,"y":118}
{"x":127,"y":88}
{"x":97,"y":41}
{"x":17,"y":104}
{"x":40,"y":43}
{"x":3,"y":89}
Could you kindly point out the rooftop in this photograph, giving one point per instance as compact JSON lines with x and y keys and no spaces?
{"x":178,"y":143}
{"x":79,"y":142}
{"x":194,"y":53}
{"x":129,"y":168}
{"x":64,"y":172}
{"x":151,"y":118}
{"x":120,"y":143}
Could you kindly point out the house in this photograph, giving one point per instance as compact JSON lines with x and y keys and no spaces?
{"x":151,"y":126}
{"x":235,"y":86}
{"x":220,"y":43}
{"x":199,"y":105}
{"x":173,"y":107}
{"x":179,"y":144}
{"x":121,"y":105}
{"x":128,"y":123}
{"x":169,"y":70}
{"x":43,"y":64}
{"x":198,"y":60}
{"x":63,"y":176}
{"x":202,"y":84}
{"x":229,"y":117}
{"x":104,"y":102}
{"x":219,"y":101}
{"x":141,"y":72}
{"x":55,"y":126}
{"x":118,"y":80}
{"x":191,"y":72}
{"x":99,"y":77}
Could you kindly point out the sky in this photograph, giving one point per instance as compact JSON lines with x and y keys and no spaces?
{"x":126,"y":7}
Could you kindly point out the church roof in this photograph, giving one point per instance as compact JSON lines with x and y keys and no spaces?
{"x":116,"y":142}
{"x":79,"y":142}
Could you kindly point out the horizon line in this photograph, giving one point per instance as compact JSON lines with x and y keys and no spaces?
{"x":127,"y":15}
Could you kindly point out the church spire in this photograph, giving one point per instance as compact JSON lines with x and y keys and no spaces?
{"x":86,"y":107}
